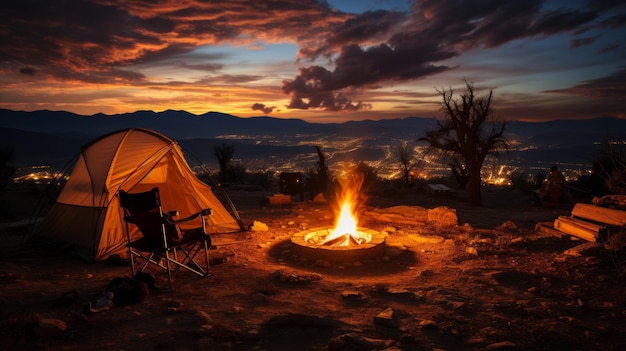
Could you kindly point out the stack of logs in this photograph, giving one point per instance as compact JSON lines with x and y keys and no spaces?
{"x":591,"y":222}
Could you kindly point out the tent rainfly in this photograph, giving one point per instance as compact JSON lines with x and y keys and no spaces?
{"x":86,"y":218}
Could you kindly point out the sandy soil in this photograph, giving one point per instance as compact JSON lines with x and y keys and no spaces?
{"x":514,"y":289}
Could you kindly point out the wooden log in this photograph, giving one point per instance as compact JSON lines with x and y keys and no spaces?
{"x":600,"y":214}
{"x":585,"y":224}
{"x":547,"y":228}
{"x":586,"y":249}
{"x":574,"y":229}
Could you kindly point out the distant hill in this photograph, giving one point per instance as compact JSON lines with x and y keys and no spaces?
{"x":54,"y":137}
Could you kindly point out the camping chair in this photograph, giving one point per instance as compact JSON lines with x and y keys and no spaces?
{"x":163,"y":242}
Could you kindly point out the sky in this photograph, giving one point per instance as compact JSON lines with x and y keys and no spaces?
{"x":320,"y":61}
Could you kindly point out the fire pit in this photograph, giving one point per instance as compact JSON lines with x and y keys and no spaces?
{"x":317,"y":244}
{"x":346,"y":241}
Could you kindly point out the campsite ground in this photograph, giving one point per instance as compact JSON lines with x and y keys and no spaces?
{"x":486,"y":285}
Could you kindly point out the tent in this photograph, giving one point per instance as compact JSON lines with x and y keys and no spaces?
{"x":86,"y":218}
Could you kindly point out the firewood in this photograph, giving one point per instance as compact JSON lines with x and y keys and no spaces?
{"x":569,"y":227}
{"x":600,"y":214}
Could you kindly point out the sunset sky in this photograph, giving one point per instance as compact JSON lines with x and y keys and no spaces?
{"x":321,"y":61}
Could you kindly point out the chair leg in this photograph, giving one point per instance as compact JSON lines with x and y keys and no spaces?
{"x":132,"y":261}
{"x":167,"y":268}
{"x":186,"y":259}
{"x":206,"y":257}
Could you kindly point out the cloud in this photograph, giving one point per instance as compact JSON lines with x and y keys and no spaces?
{"x":261,"y":107}
{"x":357,"y":68}
{"x":93,"y":36}
{"x":341,"y":56}
{"x":28,"y":71}
{"x":381,"y":47}
{"x":612,"y":86}
{"x":581,"y":42}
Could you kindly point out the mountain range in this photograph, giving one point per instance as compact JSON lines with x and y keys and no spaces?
{"x":54,"y":137}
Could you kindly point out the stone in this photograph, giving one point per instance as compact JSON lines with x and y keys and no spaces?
{"x":49,"y":328}
{"x":500,"y":345}
{"x":472,"y":251}
{"x":443,"y":216}
{"x":259,"y":226}
{"x":508,"y":226}
{"x":426,"y":239}
{"x":386,"y":318}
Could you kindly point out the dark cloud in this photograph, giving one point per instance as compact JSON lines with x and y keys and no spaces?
{"x":261,"y":107}
{"x":97,"y":41}
{"x":581,"y":42}
{"x":99,"y":35}
{"x":316,"y":87}
{"x":435,"y":31}
{"x":613,"y":86}
{"x":608,"y":48}
{"x":28,"y":71}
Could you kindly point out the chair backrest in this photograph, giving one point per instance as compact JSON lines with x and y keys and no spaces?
{"x":144,"y":210}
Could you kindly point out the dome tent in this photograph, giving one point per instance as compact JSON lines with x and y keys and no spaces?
{"x":86,"y":218}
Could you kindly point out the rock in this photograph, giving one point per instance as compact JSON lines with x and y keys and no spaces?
{"x":467,"y":228}
{"x":259,"y":226}
{"x":49,"y":328}
{"x":258,"y":297}
{"x":276,"y":275}
{"x":426,"y":239}
{"x":393,"y":251}
{"x":319,"y":199}
{"x":508,"y":226}
{"x":203,"y":317}
{"x":500,"y":345}
{"x":236,"y":310}
{"x":404,"y":293}
{"x":472,"y":251}
{"x":427,"y":273}
{"x":443,"y":216}
{"x":352,"y":296}
{"x":354,"y":341}
{"x":386,"y":318}
{"x":426,"y":324}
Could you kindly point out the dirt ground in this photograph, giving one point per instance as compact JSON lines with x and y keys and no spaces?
{"x":486,"y":285}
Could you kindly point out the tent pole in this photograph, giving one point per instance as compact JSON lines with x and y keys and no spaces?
{"x":222,"y":191}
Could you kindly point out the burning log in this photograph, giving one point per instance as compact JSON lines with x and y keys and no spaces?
{"x":338,"y":241}
{"x":346,"y":239}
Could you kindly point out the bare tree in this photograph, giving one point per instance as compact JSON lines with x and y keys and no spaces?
{"x":460,"y":172}
{"x":405,"y":155}
{"x":611,"y":167}
{"x":464,"y":132}
{"x":224,"y":154}
{"x":322,"y":170}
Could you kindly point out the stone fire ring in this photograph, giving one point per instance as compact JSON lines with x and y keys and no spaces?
{"x":302,"y":247}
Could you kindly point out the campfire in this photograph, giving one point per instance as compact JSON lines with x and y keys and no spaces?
{"x":346,"y":240}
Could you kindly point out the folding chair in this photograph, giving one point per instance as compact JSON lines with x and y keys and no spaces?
{"x":163,"y":242}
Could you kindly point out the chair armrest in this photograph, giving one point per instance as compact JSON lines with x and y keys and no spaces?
{"x":173,"y":213}
{"x":205,"y":212}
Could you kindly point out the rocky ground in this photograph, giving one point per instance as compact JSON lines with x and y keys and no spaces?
{"x":490,"y":282}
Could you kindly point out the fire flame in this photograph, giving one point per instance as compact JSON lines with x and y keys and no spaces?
{"x":346,"y":231}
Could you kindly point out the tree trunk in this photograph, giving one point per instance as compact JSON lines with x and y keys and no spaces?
{"x":475,"y":185}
